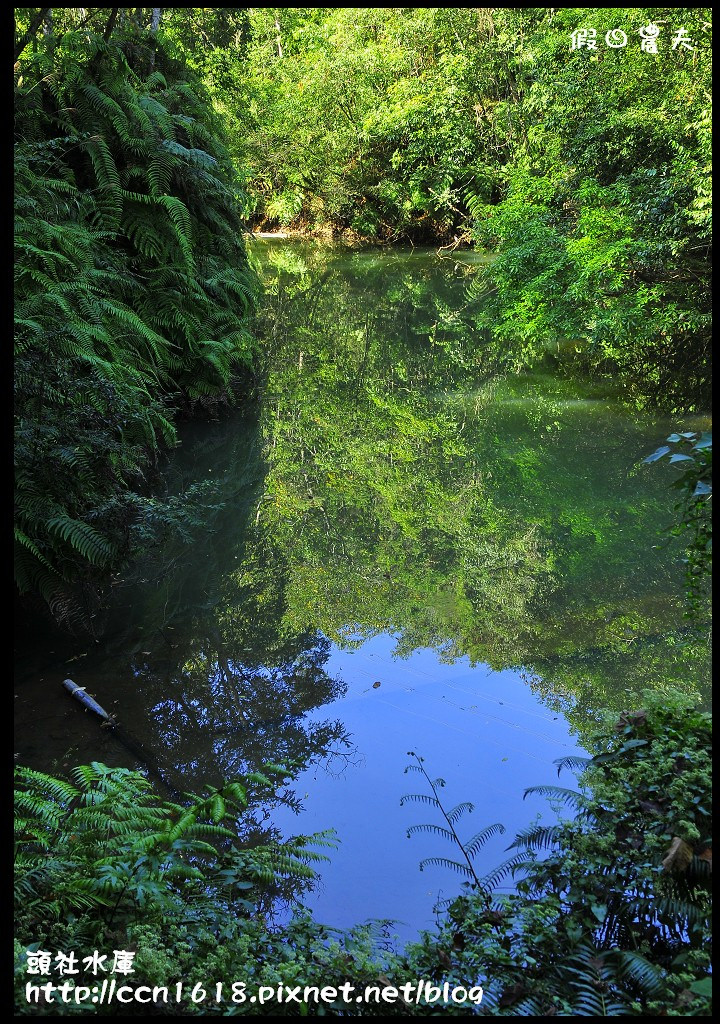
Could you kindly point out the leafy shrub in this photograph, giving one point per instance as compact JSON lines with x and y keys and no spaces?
{"x":692,"y":451}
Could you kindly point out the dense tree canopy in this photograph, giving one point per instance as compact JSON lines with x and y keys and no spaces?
{"x":586,"y":171}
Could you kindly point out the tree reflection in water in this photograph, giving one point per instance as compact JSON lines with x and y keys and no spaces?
{"x":392,"y":478}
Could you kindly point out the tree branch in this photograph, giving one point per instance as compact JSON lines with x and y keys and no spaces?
{"x":31,"y":32}
{"x":111,"y":24}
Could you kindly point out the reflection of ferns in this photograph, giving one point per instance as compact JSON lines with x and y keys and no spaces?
{"x":132,"y":289}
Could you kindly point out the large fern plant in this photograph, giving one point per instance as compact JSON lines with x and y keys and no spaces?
{"x":107,"y":844}
{"x":133,"y":291}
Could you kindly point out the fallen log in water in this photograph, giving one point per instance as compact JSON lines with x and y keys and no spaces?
{"x":85,"y":698}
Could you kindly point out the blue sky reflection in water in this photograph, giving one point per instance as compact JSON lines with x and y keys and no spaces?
{"x":484,"y":732}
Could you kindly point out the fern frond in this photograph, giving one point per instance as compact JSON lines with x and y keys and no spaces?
{"x":437,"y":830}
{"x":83,"y":537}
{"x":419,"y":798}
{"x":508,"y":867}
{"x":569,"y":797}
{"x":476,"y":842}
{"x":457,"y":812}
{"x":445,"y":862}
{"x":649,"y":978}
{"x":537,"y":837}
{"x":573,"y":762}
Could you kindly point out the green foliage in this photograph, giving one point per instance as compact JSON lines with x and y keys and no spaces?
{"x":602,"y":922}
{"x":588,"y":173}
{"x":109,"y":848}
{"x":602,"y":232}
{"x":693,"y":452}
{"x":133,"y":292}
{"x":390,"y":153}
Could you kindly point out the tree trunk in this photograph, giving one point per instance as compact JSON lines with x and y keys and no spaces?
{"x":32,"y":30}
{"x":110,"y":23}
{"x":154,"y":25}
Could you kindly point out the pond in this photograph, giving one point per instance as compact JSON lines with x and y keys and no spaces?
{"x":400,"y":547}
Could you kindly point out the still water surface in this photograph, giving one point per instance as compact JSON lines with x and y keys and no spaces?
{"x":398,"y":510}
